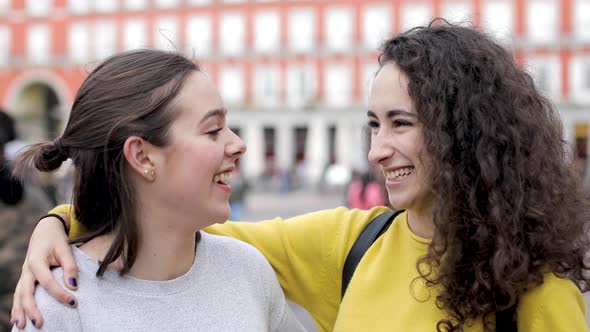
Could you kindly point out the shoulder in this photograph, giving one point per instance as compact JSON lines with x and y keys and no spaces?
{"x":230,"y":249}
{"x":338,"y":218}
{"x":56,"y":316}
{"x":553,"y":287}
{"x":555,"y":305}
{"x":324,"y":225}
{"x":228,"y":256}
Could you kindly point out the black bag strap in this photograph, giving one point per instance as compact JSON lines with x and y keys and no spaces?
{"x":370,"y":233}
{"x":506,"y":320}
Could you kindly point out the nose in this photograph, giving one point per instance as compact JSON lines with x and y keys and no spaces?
{"x":380,"y":150}
{"x":236,"y":147}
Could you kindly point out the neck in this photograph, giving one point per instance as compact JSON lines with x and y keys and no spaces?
{"x":165,"y":249}
{"x":421,"y":223}
{"x":163,"y":254}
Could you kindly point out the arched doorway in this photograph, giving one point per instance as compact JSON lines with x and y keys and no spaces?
{"x":36,"y":109}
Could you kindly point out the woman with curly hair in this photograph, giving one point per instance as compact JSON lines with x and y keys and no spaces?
{"x":495,"y":225}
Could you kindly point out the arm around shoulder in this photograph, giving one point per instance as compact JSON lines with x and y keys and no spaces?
{"x":56,"y":316}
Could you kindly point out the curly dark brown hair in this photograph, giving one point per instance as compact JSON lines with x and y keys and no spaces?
{"x":508,"y":206}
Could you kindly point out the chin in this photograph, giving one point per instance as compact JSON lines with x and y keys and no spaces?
{"x":222,"y":214}
{"x":399,"y":203}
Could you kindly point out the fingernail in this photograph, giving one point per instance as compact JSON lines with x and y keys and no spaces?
{"x":72,"y":302}
{"x":73,"y":282}
{"x":16,"y":322}
{"x":34,"y":321}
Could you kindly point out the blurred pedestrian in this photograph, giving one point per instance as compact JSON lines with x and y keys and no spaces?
{"x":365,"y":191}
{"x":20,"y":206}
{"x":237,"y":199}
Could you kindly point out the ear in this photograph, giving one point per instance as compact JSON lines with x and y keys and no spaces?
{"x":137,"y":153}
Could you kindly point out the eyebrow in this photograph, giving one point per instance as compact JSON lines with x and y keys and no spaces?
{"x":392,"y":113}
{"x":221,"y":112}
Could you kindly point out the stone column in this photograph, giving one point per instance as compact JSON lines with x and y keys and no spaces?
{"x":316,"y":149}
{"x":253,"y":161}
{"x":285,"y":148}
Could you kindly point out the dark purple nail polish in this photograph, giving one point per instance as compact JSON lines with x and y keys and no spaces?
{"x":16,"y":322}
{"x":34,"y":321}
{"x":72,"y":302}
{"x":73,"y":282}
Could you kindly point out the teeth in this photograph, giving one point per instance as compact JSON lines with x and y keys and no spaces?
{"x":399,"y":173}
{"x":223,"y":177}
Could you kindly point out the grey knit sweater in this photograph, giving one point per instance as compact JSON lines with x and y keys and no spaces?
{"x":230,"y":287}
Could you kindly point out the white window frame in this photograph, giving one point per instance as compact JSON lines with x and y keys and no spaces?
{"x":232,"y":84}
{"x":267,"y":31}
{"x":579,"y":66}
{"x":497,"y":19}
{"x":5,"y":45}
{"x":415,"y":14}
{"x":39,"y":8}
{"x":338,"y":87}
{"x":550,"y":64}
{"x":135,"y":34}
{"x":39,"y":35}
{"x":542,"y":21}
{"x":267,"y":79}
{"x":302,"y":30}
{"x":300,"y":93}
{"x":457,"y":12}
{"x":199,"y":35}
{"x":79,"y":42}
{"x":104,"y":38}
{"x":581,"y":18}
{"x":78,"y":7}
{"x":106,"y":6}
{"x":232,"y":33}
{"x":199,"y":2}
{"x":166,"y":4}
{"x":5,"y":6}
{"x":377,"y":23}
{"x":339,"y":28}
{"x":136,"y":5}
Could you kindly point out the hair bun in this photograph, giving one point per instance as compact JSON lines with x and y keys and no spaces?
{"x":60,"y":150}
{"x":53,"y":154}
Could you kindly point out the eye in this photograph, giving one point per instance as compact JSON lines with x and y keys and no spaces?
{"x":215,"y":132}
{"x":373,"y":126}
{"x":401,"y":123}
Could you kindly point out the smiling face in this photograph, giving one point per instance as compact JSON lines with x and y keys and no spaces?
{"x":396,"y":140}
{"x":193,"y":168}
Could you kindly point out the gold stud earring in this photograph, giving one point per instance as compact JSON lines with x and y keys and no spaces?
{"x":148,"y":172}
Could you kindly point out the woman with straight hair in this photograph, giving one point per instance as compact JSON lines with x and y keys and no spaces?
{"x":148,"y":138}
{"x":494,"y":232}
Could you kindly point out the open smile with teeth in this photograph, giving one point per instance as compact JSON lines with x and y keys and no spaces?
{"x":399,"y":173}
{"x":222,"y":178}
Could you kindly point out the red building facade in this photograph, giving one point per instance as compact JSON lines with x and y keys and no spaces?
{"x":294,"y":73}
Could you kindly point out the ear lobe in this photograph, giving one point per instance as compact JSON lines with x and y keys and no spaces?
{"x":136,"y":151}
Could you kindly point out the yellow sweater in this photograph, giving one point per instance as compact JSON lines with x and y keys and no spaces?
{"x":308,"y":253}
